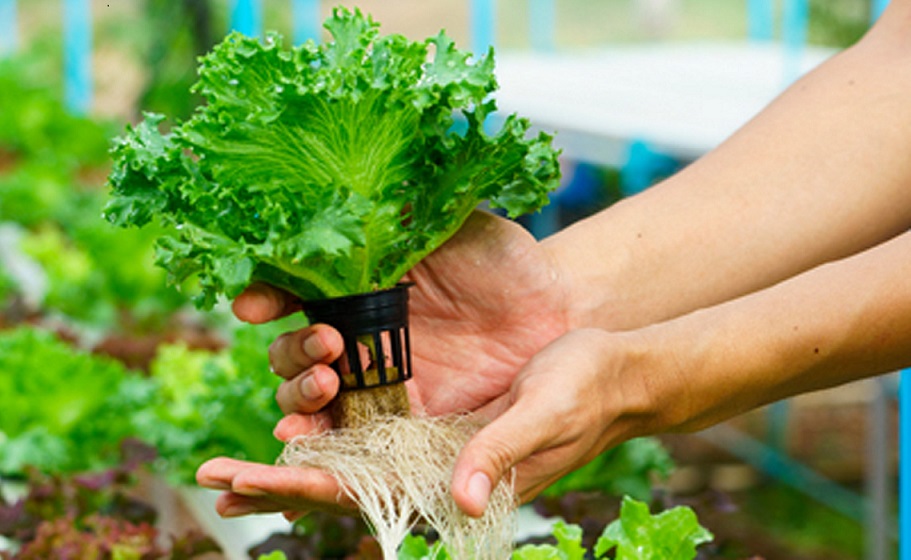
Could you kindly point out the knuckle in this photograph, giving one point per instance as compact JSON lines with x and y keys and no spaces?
{"x":502,"y":455}
{"x":286,"y":354}
{"x":283,"y":396}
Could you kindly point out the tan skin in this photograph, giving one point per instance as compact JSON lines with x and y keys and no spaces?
{"x":774,"y":265}
{"x":480,"y":309}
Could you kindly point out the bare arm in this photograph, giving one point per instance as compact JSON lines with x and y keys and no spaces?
{"x":823,"y":172}
{"x":775,"y":265}
{"x":841,"y":321}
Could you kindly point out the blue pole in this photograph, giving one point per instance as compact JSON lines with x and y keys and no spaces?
{"x":796,"y":20}
{"x":542,"y":15}
{"x":877,"y":9}
{"x":904,"y":465}
{"x":9,"y":37}
{"x":247,"y":17}
{"x":77,"y":55}
{"x":483,"y":26}
{"x":306,"y":20}
{"x":761,"y":20}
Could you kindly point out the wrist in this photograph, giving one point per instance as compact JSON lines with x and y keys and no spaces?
{"x":589,"y":278}
{"x":655,"y":372}
{"x":641,"y":386}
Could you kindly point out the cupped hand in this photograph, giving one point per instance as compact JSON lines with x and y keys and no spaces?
{"x":580,"y":395}
{"x":481,"y":306}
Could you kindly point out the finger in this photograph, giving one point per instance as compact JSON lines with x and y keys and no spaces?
{"x":273,"y":488}
{"x":218,"y":473}
{"x":294,"y":425}
{"x":261,"y":302}
{"x":297,"y":351}
{"x":309,"y":392}
{"x":492,"y":452}
{"x":230,"y":504}
{"x":295,"y":487}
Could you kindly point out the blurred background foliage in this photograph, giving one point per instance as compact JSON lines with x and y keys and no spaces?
{"x":74,"y":290}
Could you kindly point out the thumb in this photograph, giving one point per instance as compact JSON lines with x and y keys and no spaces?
{"x":492,"y":453}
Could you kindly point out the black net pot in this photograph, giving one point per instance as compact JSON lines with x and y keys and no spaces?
{"x":374,"y":327}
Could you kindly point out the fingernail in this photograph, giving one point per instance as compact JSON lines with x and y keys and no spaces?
{"x":293,"y":516}
{"x":314,"y":347}
{"x":238,"y":510}
{"x":251,"y":492}
{"x":309,"y":388}
{"x":479,"y":489}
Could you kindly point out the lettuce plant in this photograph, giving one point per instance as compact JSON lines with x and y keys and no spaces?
{"x":627,"y":469}
{"x":640,"y":535}
{"x":63,"y":408}
{"x":636,"y":535}
{"x":327,"y":170}
{"x":203,"y":404}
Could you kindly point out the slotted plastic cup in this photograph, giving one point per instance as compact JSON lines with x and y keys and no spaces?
{"x":374,"y":327}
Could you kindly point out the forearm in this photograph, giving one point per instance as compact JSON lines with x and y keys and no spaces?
{"x":836,"y":323}
{"x":820,"y":174}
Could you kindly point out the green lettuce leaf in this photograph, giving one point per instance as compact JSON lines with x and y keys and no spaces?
{"x":327,"y":170}
{"x":627,"y":469}
{"x":638,"y":535}
{"x":416,"y":547}
{"x":205,"y":404}
{"x":568,"y":547}
{"x":63,"y":408}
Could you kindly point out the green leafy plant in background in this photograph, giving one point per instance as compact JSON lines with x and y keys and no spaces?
{"x":52,"y":169}
{"x":628,"y":469}
{"x":203,"y":404}
{"x":327,"y":170}
{"x":34,"y":122}
{"x":70,"y":409}
{"x":63,"y":409}
{"x":637,"y":534}
{"x":173,"y":36}
{"x":98,"y":279}
{"x":274,"y":555}
{"x":8,"y":287}
{"x":47,"y":154}
{"x":838,"y":23}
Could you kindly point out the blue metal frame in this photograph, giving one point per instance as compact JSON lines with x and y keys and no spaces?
{"x":877,"y":9}
{"x":77,"y":55}
{"x":483,"y":16}
{"x":904,"y":465}
{"x":761,"y":20}
{"x":247,"y":17}
{"x":306,"y":21}
{"x":541,"y":17}
{"x":785,"y":469}
{"x":9,"y":29}
{"x":796,"y":18}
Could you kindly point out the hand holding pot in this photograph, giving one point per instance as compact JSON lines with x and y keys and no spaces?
{"x":744,"y":287}
{"x":481,"y":306}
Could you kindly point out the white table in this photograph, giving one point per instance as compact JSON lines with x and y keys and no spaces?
{"x":682,"y":99}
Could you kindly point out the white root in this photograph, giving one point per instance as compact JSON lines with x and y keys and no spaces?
{"x":398,"y":470}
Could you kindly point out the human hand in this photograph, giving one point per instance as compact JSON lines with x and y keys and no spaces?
{"x":582,"y":394}
{"x":481,"y":306}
